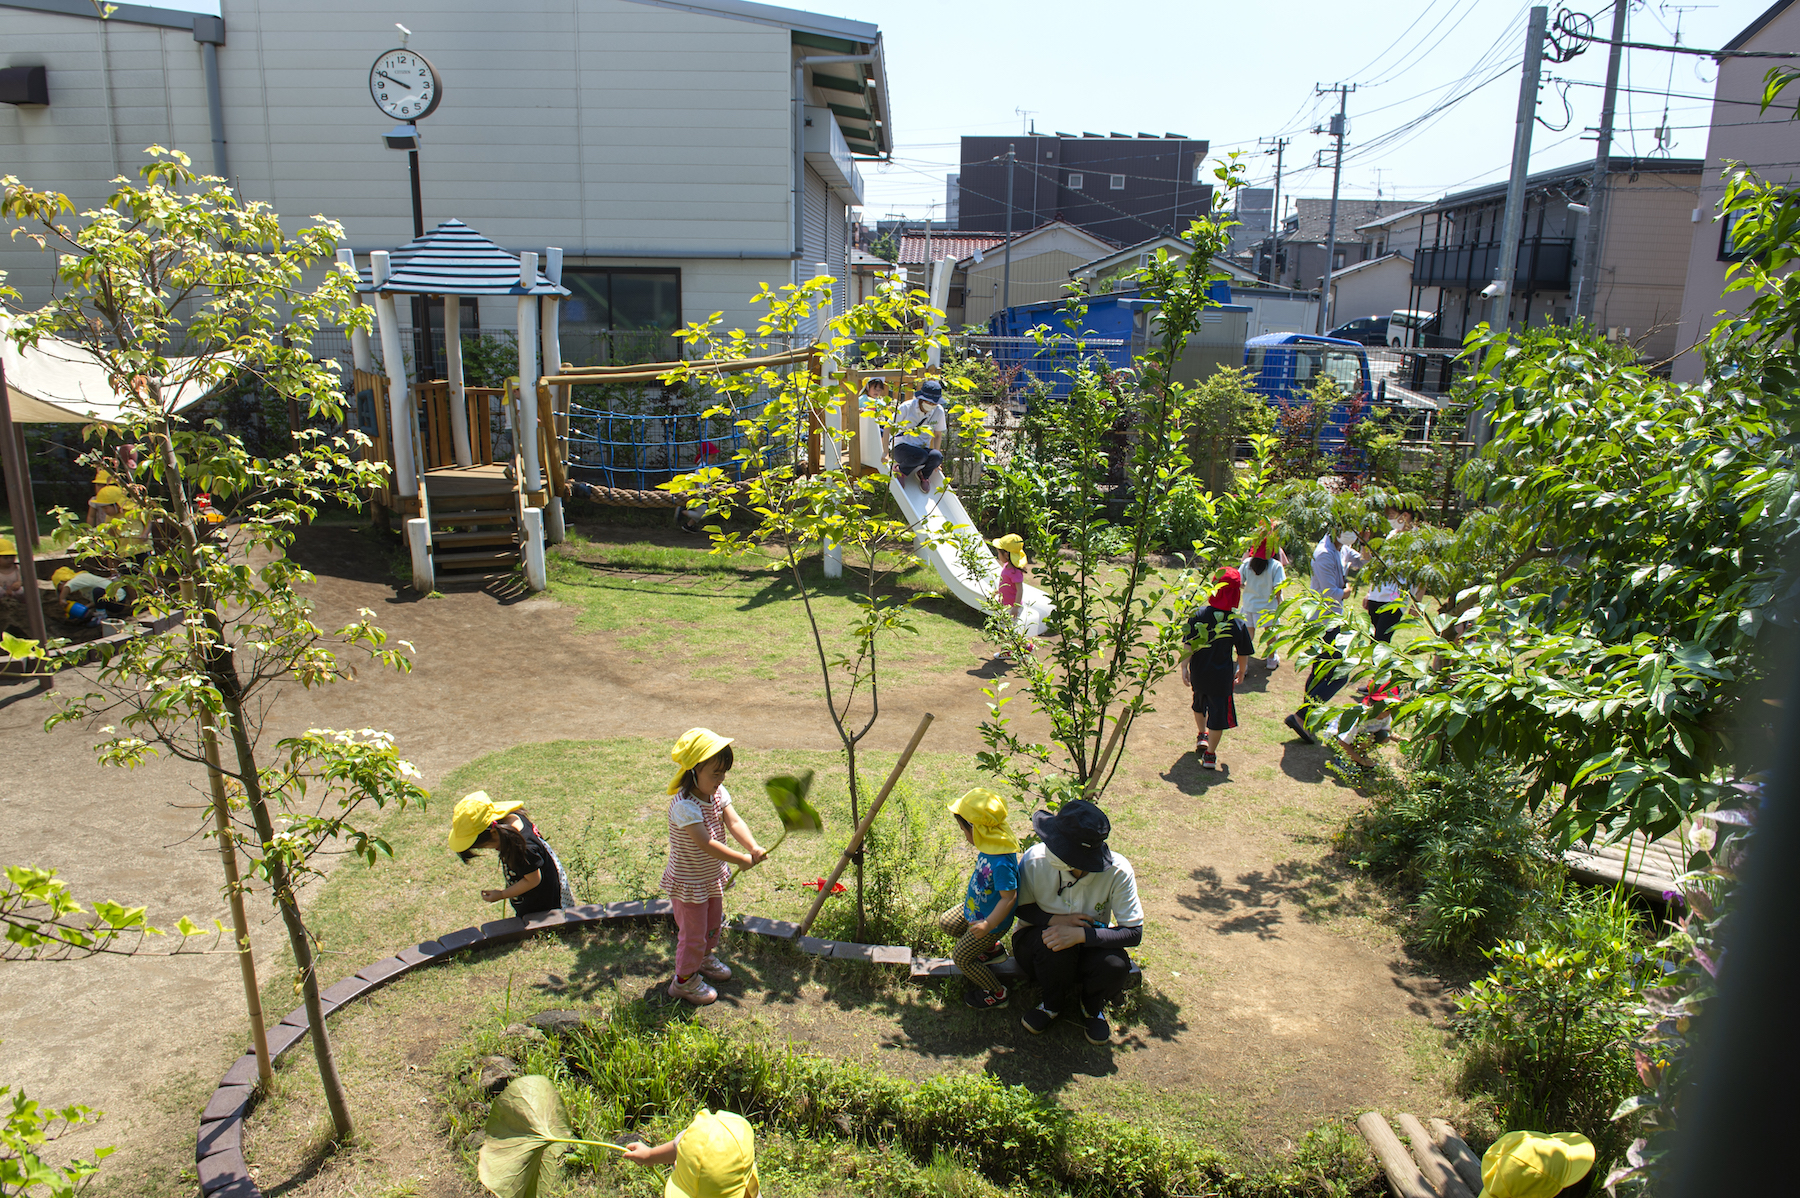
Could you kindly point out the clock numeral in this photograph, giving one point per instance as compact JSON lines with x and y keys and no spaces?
{"x":384,"y":95}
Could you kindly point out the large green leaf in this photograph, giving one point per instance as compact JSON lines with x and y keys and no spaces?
{"x":524,"y":1123}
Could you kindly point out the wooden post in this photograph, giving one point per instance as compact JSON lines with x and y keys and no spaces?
{"x":24,"y":515}
{"x":862,"y":829}
{"x":1402,"y":1174}
{"x":1437,"y":1168}
{"x":1467,"y":1166}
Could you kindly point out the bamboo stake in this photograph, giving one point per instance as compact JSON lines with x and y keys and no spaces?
{"x":862,"y":829}
{"x":1119,"y":726}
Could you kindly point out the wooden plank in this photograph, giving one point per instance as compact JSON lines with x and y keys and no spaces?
{"x":1446,"y":1141}
{"x":1402,"y":1174}
{"x":1439,"y":1173}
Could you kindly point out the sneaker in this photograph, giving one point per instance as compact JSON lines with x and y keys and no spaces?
{"x":1037,"y":1021}
{"x":715,"y":970}
{"x":1273,"y":662}
{"x":694,"y":990}
{"x":1095,"y":1027}
{"x":1299,"y":729}
{"x":997,"y":953}
{"x":984,"y":1000}
{"x":1209,"y":761}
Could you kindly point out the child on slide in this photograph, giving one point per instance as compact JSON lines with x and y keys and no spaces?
{"x":986,"y":914}
{"x":695,"y":877}
{"x":535,"y":879}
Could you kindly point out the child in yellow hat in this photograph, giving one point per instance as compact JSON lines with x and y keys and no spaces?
{"x":1530,"y":1164}
{"x":535,"y":878}
{"x":1009,"y":551}
{"x":985,"y":915}
{"x":695,"y":876}
{"x":11,"y":586}
{"x":714,"y":1157}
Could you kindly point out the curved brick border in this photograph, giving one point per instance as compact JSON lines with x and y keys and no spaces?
{"x":219,"y":1146}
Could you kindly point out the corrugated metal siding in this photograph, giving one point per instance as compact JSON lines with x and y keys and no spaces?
{"x":837,"y":241}
{"x":1036,"y":278}
{"x":815,"y":226}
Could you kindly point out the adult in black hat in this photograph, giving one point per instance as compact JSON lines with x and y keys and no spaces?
{"x":1078,"y":915}
{"x":916,"y":442}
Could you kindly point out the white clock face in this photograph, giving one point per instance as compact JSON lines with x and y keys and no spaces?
{"x":404,"y":85}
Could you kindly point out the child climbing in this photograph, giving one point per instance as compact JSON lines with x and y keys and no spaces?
{"x":535,"y":880}
{"x":714,"y":1157}
{"x":986,"y":912}
{"x":695,"y":877}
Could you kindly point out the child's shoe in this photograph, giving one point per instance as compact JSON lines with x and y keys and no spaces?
{"x":1209,"y":760}
{"x":694,"y":990}
{"x":715,"y":970}
{"x":984,"y":1000}
{"x":1037,"y":1021}
{"x":997,"y":953}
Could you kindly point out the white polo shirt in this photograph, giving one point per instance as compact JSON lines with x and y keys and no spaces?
{"x":1109,"y":896}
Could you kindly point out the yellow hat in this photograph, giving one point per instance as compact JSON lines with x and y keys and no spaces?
{"x":472,"y":816}
{"x":1529,"y":1164}
{"x":1014,"y":545}
{"x":61,"y":576}
{"x":103,"y":476}
{"x":715,"y":1159}
{"x":696,"y":745}
{"x":110,"y":495}
{"x":7,"y":548}
{"x":986,"y":813}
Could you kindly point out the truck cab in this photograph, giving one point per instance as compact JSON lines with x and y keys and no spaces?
{"x":1284,"y":365}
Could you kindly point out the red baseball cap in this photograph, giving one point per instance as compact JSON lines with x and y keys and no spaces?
{"x":1231,"y":589}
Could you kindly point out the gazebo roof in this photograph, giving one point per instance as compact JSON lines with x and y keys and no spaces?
{"x":454,"y":259}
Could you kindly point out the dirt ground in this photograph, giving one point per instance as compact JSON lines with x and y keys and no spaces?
{"x":1292,"y":998}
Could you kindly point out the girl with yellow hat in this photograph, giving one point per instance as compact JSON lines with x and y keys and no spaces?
{"x":535,"y":878}
{"x":985,"y":915}
{"x":11,"y":585}
{"x":695,"y":877}
{"x":714,"y":1157}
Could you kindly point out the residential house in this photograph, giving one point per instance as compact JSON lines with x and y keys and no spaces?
{"x":1119,"y":188}
{"x":1768,"y":143}
{"x":1401,"y":233}
{"x":680,"y":154}
{"x":1040,"y":264}
{"x":1643,"y":251}
{"x":1373,"y":287}
{"x":1295,"y":257}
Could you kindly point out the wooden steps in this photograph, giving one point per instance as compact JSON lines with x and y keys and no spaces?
{"x":1439,"y":1164}
{"x":1644,"y":864}
{"x":474,"y":534}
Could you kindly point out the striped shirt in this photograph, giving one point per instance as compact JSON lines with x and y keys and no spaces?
{"x":692,"y":874}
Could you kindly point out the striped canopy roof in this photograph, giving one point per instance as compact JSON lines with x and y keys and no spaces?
{"x":454,"y":259}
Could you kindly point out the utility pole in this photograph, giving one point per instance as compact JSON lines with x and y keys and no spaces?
{"x":1506,"y":270}
{"x":1337,"y":173}
{"x":1587,"y":286}
{"x":1280,"y":144}
{"x":1006,"y":268}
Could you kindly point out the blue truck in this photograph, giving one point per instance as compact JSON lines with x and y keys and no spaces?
{"x":1284,"y":366}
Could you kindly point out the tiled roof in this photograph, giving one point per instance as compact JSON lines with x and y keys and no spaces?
{"x":954,"y":246}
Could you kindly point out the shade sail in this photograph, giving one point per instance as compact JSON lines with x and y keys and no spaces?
{"x":59,"y":382}
{"x":454,"y":259}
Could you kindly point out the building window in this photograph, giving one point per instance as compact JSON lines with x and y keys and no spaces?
{"x":1731,"y":245}
{"x":1337,"y":261}
{"x":1116,"y":182}
{"x":620,"y":314}
{"x":1075,"y":182}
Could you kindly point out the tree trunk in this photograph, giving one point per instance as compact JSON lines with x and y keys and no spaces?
{"x":855,"y":821}
{"x":281,"y":882}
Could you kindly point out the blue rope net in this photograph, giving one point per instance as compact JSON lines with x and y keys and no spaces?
{"x":667,"y":435}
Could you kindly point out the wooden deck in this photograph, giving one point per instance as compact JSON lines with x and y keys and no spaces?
{"x":1650,"y":866}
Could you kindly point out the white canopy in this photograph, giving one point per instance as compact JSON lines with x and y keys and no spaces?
{"x":59,"y":382}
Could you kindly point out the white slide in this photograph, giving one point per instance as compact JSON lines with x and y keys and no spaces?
{"x":949,"y":543}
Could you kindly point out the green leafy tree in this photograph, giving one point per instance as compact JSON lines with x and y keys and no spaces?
{"x":1226,"y":413}
{"x":797,"y":509}
{"x":1119,"y":624}
{"x":180,"y":265}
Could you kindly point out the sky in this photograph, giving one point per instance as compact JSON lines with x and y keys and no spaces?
{"x":1234,"y":73}
{"x":1437,"y":84}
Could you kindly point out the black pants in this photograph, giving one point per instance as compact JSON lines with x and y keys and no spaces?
{"x":916,"y":457}
{"x":1095,"y":976}
{"x":1325,"y":681}
{"x":1385,"y":617}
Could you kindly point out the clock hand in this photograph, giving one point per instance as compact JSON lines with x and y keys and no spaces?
{"x":391,"y":79}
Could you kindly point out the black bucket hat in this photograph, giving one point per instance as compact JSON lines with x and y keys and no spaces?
{"x":1076,"y":835}
{"x":931,"y":389}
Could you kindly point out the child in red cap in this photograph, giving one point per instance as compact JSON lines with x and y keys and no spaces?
{"x":1213,"y":633}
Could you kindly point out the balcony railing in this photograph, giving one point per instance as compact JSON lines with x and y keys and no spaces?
{"x":1543,"y":264}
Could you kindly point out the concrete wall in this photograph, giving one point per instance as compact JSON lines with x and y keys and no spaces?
{"x":1373,"y":290}
{"x":619,"y":131}
{"x":1769,"y":143}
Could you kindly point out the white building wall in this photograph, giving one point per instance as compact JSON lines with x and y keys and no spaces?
{"x":616,"y":130}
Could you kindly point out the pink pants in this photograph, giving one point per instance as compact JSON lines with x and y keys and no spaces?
{"x":697,"y":928}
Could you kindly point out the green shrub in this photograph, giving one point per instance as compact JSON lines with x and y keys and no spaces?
{"x":640,"y":1072}
{"x":911,"y":873}
{"x":1550,"y":1025}
{"x":1460,"y":841}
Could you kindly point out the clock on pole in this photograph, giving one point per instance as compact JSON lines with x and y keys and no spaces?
{"x":405,"y":86}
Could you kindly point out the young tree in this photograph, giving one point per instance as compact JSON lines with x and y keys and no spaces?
{"x":1119,"y":626}
{"x":177,"y":281}
{"x":796,"y":510}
